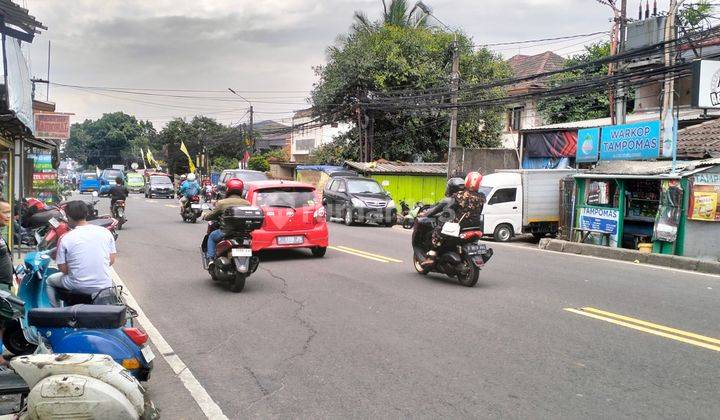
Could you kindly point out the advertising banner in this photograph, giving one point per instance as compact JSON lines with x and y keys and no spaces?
{"x":588,"y":145}
{"x":602,"y":221}
{"x":52,"y":125}
{"x":706,"y":84}
{"x":705,"y":198}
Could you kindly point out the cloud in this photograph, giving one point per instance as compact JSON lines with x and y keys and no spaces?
{"x":246,"y":44}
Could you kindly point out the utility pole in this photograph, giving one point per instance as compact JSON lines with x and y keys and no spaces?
{"x":620,"y":105}
{"x":47,"y":97}
{"x":667,"y":121}
{"x":361,"y":144}
{"x":453,"y":95}
{"x":252,"y":138}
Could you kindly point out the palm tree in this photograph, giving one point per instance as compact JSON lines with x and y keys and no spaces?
{"x":397,"y":13}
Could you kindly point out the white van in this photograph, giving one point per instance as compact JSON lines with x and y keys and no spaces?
{"x":522,"y":201}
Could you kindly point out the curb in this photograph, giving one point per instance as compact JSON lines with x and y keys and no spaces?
{"x":672,"y":261}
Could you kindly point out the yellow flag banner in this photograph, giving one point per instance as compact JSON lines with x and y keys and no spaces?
{"x":190,"y":161}
{"x":151,"y":159}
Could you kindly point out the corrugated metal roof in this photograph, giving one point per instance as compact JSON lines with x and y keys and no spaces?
{"x":627,"y":167}
{"x":385,"y":167}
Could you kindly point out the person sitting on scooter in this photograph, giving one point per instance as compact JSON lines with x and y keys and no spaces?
{"x":189,"y":188}
{"x":233,"y":198}
{"x":464,"y":207}
{"x":84,"y":255}
{"x":118,"y":192}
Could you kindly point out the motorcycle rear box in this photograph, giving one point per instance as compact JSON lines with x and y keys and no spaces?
{"x":242,"y":219}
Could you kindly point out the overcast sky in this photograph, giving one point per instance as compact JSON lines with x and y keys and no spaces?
{"x":264,"y":49}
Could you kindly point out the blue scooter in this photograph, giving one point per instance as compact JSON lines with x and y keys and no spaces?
{"x":84,"y":327}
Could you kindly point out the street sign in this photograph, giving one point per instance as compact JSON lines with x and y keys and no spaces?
{"x":636,"y":141}
{"x":588,"y":145}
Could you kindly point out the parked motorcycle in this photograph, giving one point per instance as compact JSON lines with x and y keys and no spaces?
{"x":43,"y":382}
{"x":234,"y":260}
{"x":462,"y":255}
{"x":118,"y":212}
{"x":192,"y":209}
{"x":100,"y":323}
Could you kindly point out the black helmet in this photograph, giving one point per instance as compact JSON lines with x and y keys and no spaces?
{"x":119,"y":180}
{"x":454,"y":185}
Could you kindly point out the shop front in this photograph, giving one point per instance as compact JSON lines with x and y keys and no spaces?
{"x":649,"y":207}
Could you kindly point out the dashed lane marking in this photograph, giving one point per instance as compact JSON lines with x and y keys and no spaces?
{"x":649,"y":327}
{"x":208,"y":406}
{"x":172,"y":205}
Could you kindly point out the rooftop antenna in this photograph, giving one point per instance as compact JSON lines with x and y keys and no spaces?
{"x":654,"y":7}
{"x":647,"y":9}
{"x":640,"y":11}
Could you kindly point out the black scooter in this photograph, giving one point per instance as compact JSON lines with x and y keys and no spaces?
{"x":461,"y":256}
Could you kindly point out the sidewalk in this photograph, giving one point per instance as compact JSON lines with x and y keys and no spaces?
{"x":672,"y":261}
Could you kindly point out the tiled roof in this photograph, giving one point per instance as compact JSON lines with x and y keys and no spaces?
{"x":386,"y":167}
{"x":700,"y":141}
{"x":530,"y":65}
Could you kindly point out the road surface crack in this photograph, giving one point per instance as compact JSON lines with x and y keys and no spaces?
{"x":312,"y":332}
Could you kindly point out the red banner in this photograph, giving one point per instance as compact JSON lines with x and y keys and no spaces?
{"x":52,"y":125}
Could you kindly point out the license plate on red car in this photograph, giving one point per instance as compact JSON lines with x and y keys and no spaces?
{"x":290,"y":240}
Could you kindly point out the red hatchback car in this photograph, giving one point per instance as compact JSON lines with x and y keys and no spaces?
{"x":294,"y":216}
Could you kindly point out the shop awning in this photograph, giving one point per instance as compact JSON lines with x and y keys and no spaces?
{"x":625,"y":169}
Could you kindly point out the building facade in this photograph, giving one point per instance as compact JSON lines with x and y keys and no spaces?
{"x":308,"y":135}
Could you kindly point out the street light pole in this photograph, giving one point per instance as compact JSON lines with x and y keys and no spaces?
{"x":252,"y":138}
{"x":454,"y":82}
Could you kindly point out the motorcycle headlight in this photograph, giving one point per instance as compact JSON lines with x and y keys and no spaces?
{"x":358,"y":202}
{"x":391,"y":204}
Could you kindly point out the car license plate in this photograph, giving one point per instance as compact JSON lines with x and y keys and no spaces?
{"x":147,"y":353}
{"x":289,"y":240}
{"x":196,"y":206}
{"x":242,"y":252}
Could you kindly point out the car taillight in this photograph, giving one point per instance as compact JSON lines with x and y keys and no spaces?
{"x":137,"y":335}
{"x":319,"y":214}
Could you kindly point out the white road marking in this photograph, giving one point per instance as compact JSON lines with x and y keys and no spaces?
{"x":197,"y":391}
{"x":171,"y":205}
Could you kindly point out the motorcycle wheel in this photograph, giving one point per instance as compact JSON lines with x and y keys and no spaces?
{"x":213,"y":274}
{"x":470,"y":278}
{"x":418,"y":267}
{"x":408,"y":223}
{"x":239,"y":283}
{"x":14,"y":340}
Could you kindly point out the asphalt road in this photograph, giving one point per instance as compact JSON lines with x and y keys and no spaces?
{"x":361,"y":335}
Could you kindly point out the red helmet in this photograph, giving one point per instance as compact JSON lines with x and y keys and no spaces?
{"x":234,"y":186}
{"x":472,"y":181}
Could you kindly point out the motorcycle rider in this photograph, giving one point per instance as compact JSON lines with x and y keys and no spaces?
{"x":84,"y":255}
{"x":463,"y":204}
{"x":189,"y":188}
{"x":233,"y":198}
{"x":118,"y":192}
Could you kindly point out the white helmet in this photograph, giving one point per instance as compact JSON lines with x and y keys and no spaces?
{"x":191,"y":177}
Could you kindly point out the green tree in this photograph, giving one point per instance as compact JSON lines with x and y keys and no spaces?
{"x":392,"y":58}
{"x":579,"y":107}
{"x":397,"y":13}
{"x":115,"y":138}
{"x":259,"y":163}
{"x":199,"y":134}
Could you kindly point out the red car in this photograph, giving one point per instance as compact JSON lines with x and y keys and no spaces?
{"x":294,"y":216}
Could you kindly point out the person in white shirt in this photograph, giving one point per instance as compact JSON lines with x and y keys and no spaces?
{"x":84,"y":256}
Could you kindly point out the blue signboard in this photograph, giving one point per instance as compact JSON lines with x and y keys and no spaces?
{"x":588,"y":145}
{"x":635,"y":141}
{"x":601,"y":220}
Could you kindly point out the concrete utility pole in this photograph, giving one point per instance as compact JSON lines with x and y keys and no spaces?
{"x":455,"y":82}
{"x":252,"y":139}
{"x":454,"y":86}
{"x":666,"y":118}
{"x":620,"y":100}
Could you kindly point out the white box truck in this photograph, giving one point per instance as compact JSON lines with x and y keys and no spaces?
{"x":522,"y":201}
